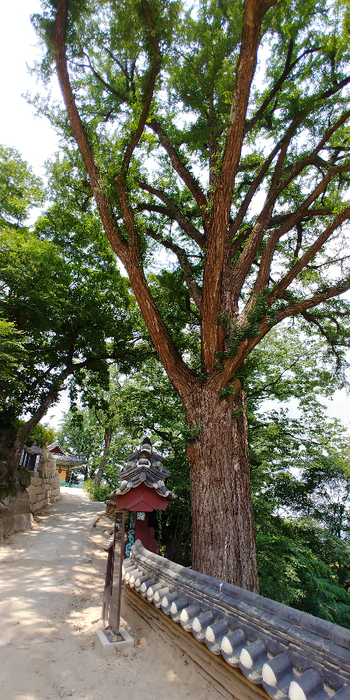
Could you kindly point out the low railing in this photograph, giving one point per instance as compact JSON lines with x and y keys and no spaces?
{"x":293,"y":655}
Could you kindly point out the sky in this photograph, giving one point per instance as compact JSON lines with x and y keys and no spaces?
{"x":19,"y":128}
{"x":34,"y":138}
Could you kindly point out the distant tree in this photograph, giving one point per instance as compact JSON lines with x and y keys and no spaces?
{"x":302,"y":565}
{"x":20,"y":189}
{"x":98,"y":427}
{"x":81,"y":432}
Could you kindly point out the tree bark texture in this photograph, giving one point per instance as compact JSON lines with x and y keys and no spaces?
{"x":223,"y":534}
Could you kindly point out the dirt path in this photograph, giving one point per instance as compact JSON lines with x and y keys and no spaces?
{"x":51,"y":595}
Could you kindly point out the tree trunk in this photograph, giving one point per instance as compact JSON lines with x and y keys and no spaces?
{"x":99,"y":473}
{"x":223,"y":535}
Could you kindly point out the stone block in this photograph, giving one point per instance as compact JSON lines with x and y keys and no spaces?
{"x":15,"y":514}
{"x":105,"y":647}
{"x":35,"y":507}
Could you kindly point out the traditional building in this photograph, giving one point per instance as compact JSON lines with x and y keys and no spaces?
{"x":64,"y":460}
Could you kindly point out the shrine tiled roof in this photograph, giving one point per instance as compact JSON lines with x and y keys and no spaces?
{"x":144,"y":466}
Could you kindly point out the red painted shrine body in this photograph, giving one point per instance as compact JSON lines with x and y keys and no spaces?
{"x":142,"y":490}
{"x":141,"y":499}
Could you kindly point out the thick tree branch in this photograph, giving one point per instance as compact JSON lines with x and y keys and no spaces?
{"x":182,"y":378}
{"x":253,"y":15}
{"x":250,"y":250}
{"x":178,"y":372}
{"x":156,"y":208}
{"x":59,"y":45}
{"x":128,"y":217}
{"x":309,"y":254}
{"x":176,"y":214}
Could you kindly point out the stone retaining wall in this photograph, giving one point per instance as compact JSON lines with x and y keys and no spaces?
{"x":44,"y":485}
{"x":16,"y":512}
{"x":43,"y":491}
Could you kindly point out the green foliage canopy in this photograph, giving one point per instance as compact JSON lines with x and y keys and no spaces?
{"x":20,"y":189}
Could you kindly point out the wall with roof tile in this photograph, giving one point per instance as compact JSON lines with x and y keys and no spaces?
{"x":285,"y":653}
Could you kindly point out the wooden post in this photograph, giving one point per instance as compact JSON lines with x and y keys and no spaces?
{"x":111,"y":603}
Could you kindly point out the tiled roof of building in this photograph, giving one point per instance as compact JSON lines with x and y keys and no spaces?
{"x":33,"y":449}
{"x":144,"y":467}
{"x":61,"y":455}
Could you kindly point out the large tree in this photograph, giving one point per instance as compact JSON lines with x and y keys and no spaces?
{"x":219,"y":133}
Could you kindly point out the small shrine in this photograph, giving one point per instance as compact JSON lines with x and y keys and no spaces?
{"x":142,"y":491}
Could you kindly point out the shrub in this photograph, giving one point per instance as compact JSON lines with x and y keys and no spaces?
{"x":97,"y":493}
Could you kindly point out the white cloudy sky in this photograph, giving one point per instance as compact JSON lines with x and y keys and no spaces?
{"x":33,"y":136}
